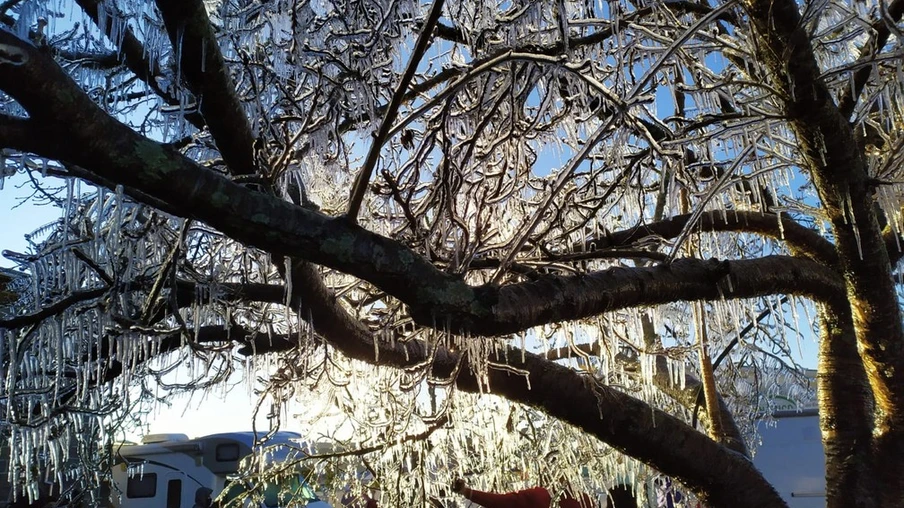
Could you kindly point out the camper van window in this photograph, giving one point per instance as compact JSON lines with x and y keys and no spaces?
{"x":174,"y":494}
{"x":142,"y":485}
{"x":227,"y":452}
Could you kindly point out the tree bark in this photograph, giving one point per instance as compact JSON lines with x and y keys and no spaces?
{"x":845,"y":406}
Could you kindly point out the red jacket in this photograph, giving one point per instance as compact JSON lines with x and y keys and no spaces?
{"x":537,"y":497}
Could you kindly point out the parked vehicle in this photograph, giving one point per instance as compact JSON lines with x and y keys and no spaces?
{"x":166,"y":470}
{"x":792,"y":458}
{"x":790,"y":455}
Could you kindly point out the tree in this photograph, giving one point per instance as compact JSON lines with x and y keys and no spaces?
{"x":424,"y":189}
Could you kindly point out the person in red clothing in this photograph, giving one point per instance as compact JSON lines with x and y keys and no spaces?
{"x":536,"y":497}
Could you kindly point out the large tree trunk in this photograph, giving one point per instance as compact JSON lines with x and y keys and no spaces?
{"x":836,"y":164}
{"x":845,"y":406}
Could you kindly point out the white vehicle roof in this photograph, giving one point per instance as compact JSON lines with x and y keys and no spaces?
{"x":221,"y":452}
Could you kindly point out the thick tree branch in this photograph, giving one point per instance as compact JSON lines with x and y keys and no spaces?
{"x":22,"y":133}
{"x":802,"y":240}
{"x":632,"y":427}
{"x":554,"y":298}
{"x":624,"y":422}
{"x":616,"y":418}
{"x":204,"y":69}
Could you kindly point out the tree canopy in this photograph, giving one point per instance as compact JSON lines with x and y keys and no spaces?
{"x":495,"y":238}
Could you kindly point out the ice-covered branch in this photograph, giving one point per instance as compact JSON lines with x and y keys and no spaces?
{"x":685,"y":393}
{"x":392,"y":110}
{"x":133,"y":54}
{"x":801,"y":240}
{"x":53,"y":308}
{"x":496,"y":224}
{"x":678,"y":7}
{"x":879,"y":34}
{"x":202,"y":66}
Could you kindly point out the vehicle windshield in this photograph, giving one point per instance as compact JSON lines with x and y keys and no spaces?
{"x":292,"y":491}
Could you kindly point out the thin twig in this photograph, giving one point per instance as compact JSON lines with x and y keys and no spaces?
{"x":168,"y":265}
{"x":423,"y":41}
{"x":94,"y":266}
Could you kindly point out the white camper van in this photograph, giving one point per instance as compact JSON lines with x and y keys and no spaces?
{"x":166,"y":470}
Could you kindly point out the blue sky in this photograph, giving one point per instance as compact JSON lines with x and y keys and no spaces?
{"x":19,"y":219}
